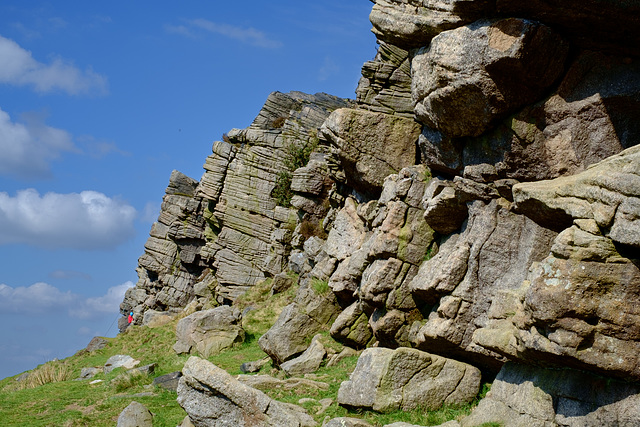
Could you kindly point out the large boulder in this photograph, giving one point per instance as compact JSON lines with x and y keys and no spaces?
{"x":208,"y":332}
{"x":386,"y":380}
{"x":212,"y":397}
{"x":496,"y":68}
{"x":371,"y":145}
{"x":297,"y":324}
{"x":307,"y":362}
{"x":135,"y":415}
{"x":532,"y":396}
{"x":413,"y":24}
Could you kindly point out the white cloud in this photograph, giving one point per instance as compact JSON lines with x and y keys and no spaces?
{"x":18,"y":67}
{"x":35,"y":299}
{"x":42,"y":298}
{"x":246,"y":35}
{"x":86,"y":220}
{"x":106,"y":304}
{"x":29,"y":148}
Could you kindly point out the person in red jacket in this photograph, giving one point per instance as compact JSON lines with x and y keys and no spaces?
{"x":130,"y":318}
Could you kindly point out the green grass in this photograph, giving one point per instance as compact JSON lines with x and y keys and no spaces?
{"x":64,"y":402}
{"x":78,"y":403}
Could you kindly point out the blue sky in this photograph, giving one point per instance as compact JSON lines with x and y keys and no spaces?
{"x":99,"y":102}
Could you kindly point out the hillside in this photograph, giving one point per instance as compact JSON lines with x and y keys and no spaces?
{"x":470,"y":221}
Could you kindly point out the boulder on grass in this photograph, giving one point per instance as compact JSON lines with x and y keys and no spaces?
{"x":385,"y":380}
{"x":212,"y":397}
{"x":209,"y":331}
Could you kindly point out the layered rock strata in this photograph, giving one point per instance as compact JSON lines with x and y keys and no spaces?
{"x":478,"y":201}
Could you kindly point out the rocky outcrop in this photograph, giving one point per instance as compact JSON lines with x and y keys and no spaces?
{"x":225,"y":233}
{"x":209,"y":332}
{"x":212,"y":397}
{"x":478,"y":203}
{"x":385,"y":380}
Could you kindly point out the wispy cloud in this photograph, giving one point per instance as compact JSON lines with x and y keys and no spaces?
{"x":18,"y":67}
{"x":28,"y":148}
{"x":44,"y":299}
{"x":247,"y":35}
{"x":329,"y":68}
{"x":69,"y":275}
{"x":86,"y":220}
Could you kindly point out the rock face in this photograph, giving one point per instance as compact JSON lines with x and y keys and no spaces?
{"x":208,"y":332}
{"x":496,"y":68}
{"x":356,"y":136}
{"x":478,"y":203}
{"x":225,"y":233}
{"x":385,"y":380}
{"x":525,"y":395}
{"x":212,"y":397}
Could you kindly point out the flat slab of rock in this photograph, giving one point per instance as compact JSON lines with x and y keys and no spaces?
{"x":168,"y":381}
{"x":120,"y":361}
{"x":405,"y":378}
{"x":211,"y":396}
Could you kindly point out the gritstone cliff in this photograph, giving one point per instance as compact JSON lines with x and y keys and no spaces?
{"x":479,"y":200}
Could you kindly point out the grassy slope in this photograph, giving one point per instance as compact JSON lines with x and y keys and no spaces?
{"x":78,"y":403}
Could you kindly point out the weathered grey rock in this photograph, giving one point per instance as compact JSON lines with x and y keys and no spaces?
{"x":281,"y":282}
{"x":413,"y":24}
{"x":135,"y":415}
{"x":252,"y":367}
{"x":385,"y":86}
{"x":86,"y":373}
{"x":591,"y":116}
{"x":155,"y":318}
{"x":209,"y":332}
{"x":493,"y":252}
{"x":496,"y":68}
{"x":211,"y":396}
{"x":186,"y":422}
{"x":347,"y":422}
{"x":97,"y":343}
{"x":347,"y":233}
{"x":355,"y":135}
{"x":267,"y":382}
{"x":351,"y":327}
{"x":310,"y":179}
{"x":120,"y":361}
{"x":445,"y":211}
{"x":405,"y":378}
{"x":227,"y":230}
{"x":168,"y":381}
{"x":577,"y":308}
{"x":606,"y":192}
{"x":307,"y":362}
{"x":146,"y":369}
{"x":524,"y":395}
{"x":297,"y":323}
